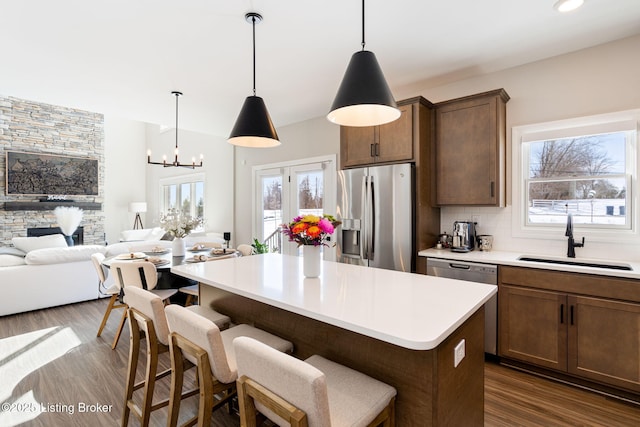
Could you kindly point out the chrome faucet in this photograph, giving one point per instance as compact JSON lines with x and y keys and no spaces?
{"x":571,"y":252}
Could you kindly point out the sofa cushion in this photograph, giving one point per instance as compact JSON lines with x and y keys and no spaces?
{"x":63,"y":255}
{"x":28,"y":244}
{"x":7,"y":260}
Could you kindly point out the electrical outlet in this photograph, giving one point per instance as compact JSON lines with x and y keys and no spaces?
{"x":458,"y":353}
{"x":476,"y":219}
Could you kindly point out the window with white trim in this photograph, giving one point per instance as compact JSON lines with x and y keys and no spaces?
{"x":184,"y":194}
{"x":585,"y":167}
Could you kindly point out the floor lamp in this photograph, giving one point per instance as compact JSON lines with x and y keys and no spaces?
{"x":138,"y":208}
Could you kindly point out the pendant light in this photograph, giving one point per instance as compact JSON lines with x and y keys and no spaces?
{"x":175,"y":162}
{"x":253,"y":126}
{"x":364,"y":98}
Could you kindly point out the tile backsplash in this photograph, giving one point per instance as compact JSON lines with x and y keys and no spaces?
{"x":497,"y":222}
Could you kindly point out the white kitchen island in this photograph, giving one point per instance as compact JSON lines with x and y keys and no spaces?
{"x":400,"y":328}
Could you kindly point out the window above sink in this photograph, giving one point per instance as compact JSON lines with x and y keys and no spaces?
{"x":586,"y":167}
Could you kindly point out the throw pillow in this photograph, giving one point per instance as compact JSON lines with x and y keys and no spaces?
{"x":8,"y":250}
{"x":28,"y":244}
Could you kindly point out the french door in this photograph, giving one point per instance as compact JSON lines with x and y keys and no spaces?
{"x":286,"y":190}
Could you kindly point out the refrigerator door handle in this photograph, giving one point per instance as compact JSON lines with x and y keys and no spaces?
{"x":363,"y":231}
{"x":371,"y":235}
{"x":369,"y":219}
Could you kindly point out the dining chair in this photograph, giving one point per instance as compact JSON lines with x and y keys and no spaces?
{"x":139,"y":274}
{"x":199,"y":341}
{"x":245,"y":249}
{"x":114,"y":292}
{"x":147,"y":318}
{"x":313,"y":392}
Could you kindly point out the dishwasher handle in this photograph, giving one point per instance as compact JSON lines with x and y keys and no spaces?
{"x":459,"y":266}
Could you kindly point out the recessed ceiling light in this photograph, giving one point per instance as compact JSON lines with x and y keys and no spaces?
{"x":568,"y":5}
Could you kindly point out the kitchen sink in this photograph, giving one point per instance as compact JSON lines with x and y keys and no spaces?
{"x":583,"y":263}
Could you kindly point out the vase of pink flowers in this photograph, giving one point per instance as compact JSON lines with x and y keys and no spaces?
{"x":311,"y":232}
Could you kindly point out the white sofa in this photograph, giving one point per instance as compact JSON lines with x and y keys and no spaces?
{"x":42,"y":272}
{"x":47,"y":277}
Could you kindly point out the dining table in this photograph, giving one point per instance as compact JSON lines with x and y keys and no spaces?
{"x":164,"y":260}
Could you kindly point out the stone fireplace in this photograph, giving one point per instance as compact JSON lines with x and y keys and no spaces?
{"x":27,"y":126}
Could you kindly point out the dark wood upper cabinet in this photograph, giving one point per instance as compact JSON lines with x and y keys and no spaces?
{"x":389,"y":143}
{"x":470,"y":150}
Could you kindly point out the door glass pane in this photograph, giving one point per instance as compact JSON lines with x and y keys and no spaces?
{"x":271,"y":204}
{"x":310,"y":191}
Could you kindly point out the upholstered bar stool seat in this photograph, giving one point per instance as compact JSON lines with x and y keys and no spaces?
{"x":200,"y":341}
{"x":146,"y":314}
{"x":314,"y":392}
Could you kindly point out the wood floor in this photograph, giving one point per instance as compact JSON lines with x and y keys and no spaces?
{"x":55,"y":372}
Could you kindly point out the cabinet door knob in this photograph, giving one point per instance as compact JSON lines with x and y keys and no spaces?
{"x":372,"y":150}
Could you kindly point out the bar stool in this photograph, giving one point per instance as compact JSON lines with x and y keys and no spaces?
{"x":146,"y":314}
{"x":314,"y":392}
{"x":201,"y":342}
{"x":114,"y":292}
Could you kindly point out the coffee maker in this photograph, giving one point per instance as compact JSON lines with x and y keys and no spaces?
{"x":464,"y":236}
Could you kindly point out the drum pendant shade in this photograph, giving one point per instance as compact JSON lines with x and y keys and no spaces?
{"x":364,"y":98}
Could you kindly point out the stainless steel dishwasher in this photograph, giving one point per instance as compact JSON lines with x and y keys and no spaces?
{"x":473,"y":272}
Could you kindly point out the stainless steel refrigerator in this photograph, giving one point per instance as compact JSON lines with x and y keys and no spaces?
{"x":375,"y":205}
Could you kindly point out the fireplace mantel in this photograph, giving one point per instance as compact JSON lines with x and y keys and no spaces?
{"x":49,"y":206}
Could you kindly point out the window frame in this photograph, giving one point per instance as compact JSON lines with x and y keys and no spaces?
{"x":581,"y":126}
{"x":179,"y":181}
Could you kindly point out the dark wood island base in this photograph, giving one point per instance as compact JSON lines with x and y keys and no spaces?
{"x":431,"y":391}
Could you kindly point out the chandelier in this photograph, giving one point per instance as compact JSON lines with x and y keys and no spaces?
{"x":175,"y":162}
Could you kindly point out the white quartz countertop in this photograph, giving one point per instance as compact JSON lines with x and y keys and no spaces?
{"x":512,"y":258}
{"x":409,"y":310}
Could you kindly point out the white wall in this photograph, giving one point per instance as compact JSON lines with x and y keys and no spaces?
{"x":125,"y":179}
{"x":592,"y":81}
{"x":599,"y":80}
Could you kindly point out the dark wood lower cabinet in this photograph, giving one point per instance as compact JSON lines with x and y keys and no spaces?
{"x":544,"y":322}
{"x":604,"y":341}
{"x":531,"y":328}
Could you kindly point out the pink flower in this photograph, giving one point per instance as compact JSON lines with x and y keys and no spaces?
{"x":326,"y":226}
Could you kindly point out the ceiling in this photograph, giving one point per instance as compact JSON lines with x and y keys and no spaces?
{"x":124,"y":57}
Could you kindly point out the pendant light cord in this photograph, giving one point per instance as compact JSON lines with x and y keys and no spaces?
{"x":253,"y":22}
{"x":177,"y":96}
{"x":363,"y":25}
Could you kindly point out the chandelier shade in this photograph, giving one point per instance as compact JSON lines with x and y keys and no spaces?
{"x":253,"y":127}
